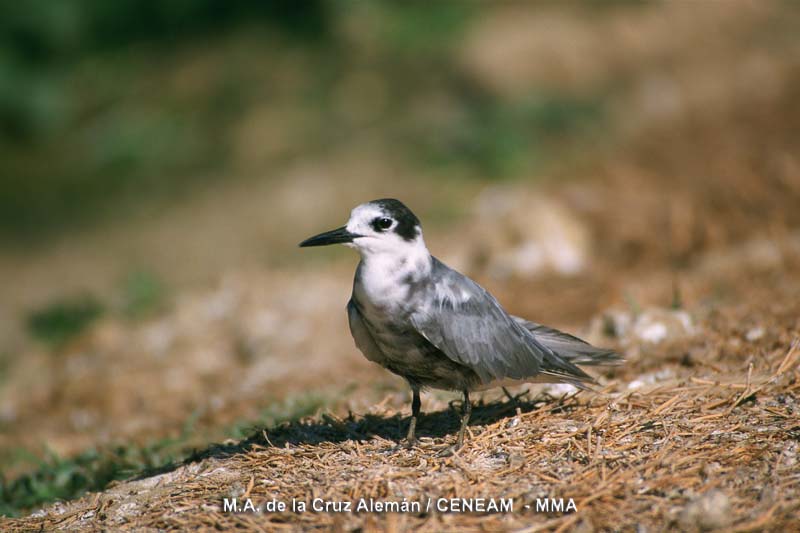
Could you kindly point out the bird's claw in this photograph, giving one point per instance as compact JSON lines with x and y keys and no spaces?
{"x":448,"y":451}
{"x":409,"y":443}
{"x":406,"y":444}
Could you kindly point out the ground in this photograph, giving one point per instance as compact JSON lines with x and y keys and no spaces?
{"x":707,"y":439}
{"x":671,"y":236}
{"x":697,"y":430}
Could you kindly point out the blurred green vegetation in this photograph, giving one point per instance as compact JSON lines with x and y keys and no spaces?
{"x":65,"y":478}
{"x":143,"y":293}
{"x":289,"y":409}
{"x":106,"y":106}
{"x":5,"y":360}
{"x":80,"y":129}
{"x":500,"y":140}
{"x":60,"y":321}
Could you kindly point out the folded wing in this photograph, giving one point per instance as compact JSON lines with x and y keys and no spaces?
{"x":468,"y":325}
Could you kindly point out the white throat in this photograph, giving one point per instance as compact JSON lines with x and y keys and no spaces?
{"x":384,"y":277}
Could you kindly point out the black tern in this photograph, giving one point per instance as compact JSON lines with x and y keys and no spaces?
{"x":435,"y":327}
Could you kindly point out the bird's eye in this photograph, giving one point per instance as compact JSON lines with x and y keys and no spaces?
{"x":382,"y":223}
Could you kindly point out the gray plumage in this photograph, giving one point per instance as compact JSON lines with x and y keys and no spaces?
{"x":422,"y":320}
{"x":449,"y":333}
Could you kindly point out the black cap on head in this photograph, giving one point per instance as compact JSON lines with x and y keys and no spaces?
{"x":407,"y":222}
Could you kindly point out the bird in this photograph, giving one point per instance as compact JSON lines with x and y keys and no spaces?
{"x":437,"y":328}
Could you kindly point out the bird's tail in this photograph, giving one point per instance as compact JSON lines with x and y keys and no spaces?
{"x":571,"y":348}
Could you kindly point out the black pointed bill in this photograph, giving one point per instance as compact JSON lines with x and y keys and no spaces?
{"x":336,"y":236}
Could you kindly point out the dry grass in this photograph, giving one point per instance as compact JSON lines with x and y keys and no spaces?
{"x":704,"y":203}
{"x":627,"y":457}
{"x":709,"y":441}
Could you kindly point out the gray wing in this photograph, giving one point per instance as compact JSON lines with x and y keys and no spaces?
{"x":468,"y":325}
{"x":571,"y":348}
{"x":361,"y":334}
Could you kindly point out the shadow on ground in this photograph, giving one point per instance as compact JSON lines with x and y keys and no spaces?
{"x":438,"y":424}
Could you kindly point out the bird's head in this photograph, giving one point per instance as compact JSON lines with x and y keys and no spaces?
{"x":379,"y":227}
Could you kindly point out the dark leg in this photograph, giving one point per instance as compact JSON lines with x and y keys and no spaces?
{"x":508,"y":395}
{"x":411,"y":438}
{"x":466,"y":411}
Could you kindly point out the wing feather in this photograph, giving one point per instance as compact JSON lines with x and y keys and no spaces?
{"x":569,"y":347}
{"x":468,"y":325}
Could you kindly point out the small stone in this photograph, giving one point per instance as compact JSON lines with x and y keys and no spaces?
{"x":655,"y":326}
{"x":754,"y":334}
{"x":711,"y":510}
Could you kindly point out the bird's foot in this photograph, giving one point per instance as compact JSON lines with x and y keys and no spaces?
{"x":448,"y":451}
{"x":409,"y":443}
{"x":406,"y":444}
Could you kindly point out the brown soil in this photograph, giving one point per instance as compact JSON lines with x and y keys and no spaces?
{"x":698,"y":206}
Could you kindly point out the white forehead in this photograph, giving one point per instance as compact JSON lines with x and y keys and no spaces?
{"x":365,"y":213}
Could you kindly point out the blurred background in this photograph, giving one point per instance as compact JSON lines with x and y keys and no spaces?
{"x":601,"y":166}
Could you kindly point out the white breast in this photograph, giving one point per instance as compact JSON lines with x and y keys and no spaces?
{"x":381,"y":285}
{"x":384,"y":281}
